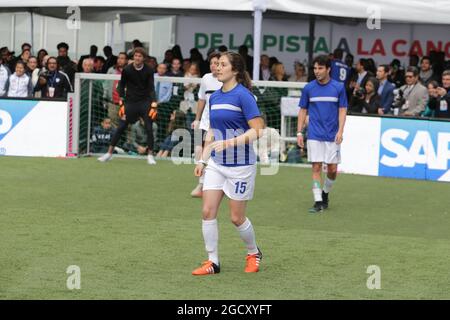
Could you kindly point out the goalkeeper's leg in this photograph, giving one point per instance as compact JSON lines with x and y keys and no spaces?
{"x":123,"y":125}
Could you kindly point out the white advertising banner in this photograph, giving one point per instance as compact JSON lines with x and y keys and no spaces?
{"x":33,"y":128}
{"x":288,"y":39}
{"x":361,"y":145}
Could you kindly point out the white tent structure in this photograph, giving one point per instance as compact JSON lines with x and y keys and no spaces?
{"x":416,"y":11}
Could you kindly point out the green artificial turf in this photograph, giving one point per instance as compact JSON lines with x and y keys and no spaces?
{"x":135,"y":233}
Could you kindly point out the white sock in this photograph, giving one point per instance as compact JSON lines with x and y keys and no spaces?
{"x":317,"y":191}
{"x":248,"y":235}
{"x":328,"y":185}
{"x":211,"y":236}
{"x":201,"y":179}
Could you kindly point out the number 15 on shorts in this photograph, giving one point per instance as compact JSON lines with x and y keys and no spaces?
{"x":241,"y":187}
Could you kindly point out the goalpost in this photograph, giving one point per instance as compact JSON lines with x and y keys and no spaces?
{"x":93,"y":101}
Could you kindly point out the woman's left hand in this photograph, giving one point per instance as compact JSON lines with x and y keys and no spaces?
{"x":221,"y":145}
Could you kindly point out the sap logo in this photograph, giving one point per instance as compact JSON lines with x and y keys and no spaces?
{"x":421,"y":151}
{"x":6,"y":122}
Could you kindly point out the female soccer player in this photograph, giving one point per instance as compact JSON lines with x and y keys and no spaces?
{"x":235,"y":122}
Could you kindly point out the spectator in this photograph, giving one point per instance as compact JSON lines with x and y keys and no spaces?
{"x":243,"y":51}
{"x":113,"y":104}
{"x":138,"y":138}
{"x":19,"y":84}
{"x":222,"y":48}
{"x":111,"y":59}
{"x":168,"y":57}
{"x":177,"y":121}
{"x":67,"y":66}
{"x":26,"y":46}
{"x":371,"y":67}
{"x":349,"y":59}
{"x":92,"y":54}
{"x":101,"y":138}
{"x":278,"y":72}
{"x":413,"y":60}
{"x":397,"y":74}
{"x":175,"y":70}
{"x":189,"y":104}
{"x":135,"y":44}
{"x":88,"y":65}
{"x":441,"y":107}
{"x":26,"y":54}
{"x":33,"y":70}
{"x":53,"y":83}
{"x":272,"y":61}
{"x":197,"y":58}
{"x":264,"y":71}
{"x":386,"y":88}
{"x":300,"y":73}
{"x":362,"y":74}
{"x":415,"y":95}
{"x":432,"y":99}
{"x":150,"y":61}
{"x":99,"y":63}
{"x":367,"y":100}
{"x":4,"y":77}
{"x":186,"y":66}
{"x":44,"y":63}
{"x":176,"y":50}
{"x":426,"y":72}
{"x":8,"y":58}
{"x":40,"y":56}
{"x":163,"y":89}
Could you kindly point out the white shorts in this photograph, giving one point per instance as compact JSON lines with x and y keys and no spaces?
{"x":238,"y":183}
{"x":324,"y":151}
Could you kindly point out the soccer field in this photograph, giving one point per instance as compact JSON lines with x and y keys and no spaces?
{"x":135,"y":233}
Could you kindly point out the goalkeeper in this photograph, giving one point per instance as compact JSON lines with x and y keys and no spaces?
{"x":137,"y":91}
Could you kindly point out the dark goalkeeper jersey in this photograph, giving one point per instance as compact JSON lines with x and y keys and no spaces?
{"x":137,"y":85}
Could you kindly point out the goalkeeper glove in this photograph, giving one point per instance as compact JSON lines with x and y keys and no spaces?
{"x":153,"y":113}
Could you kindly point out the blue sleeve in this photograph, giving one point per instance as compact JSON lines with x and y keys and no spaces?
{"x":304,"y":100}
{"x":249,"y":106}
{"x":389,"y":99}
{"x":343,"y":103}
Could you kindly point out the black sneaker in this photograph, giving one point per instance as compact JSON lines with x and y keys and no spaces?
{"x":325,"y":199}
{"x":317,"y":208}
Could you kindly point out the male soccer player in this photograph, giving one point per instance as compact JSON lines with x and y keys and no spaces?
{"x":137,"y":89}
{"x":325,"y":100}
{"x":339,"y":70}
{"x":208,"y":86}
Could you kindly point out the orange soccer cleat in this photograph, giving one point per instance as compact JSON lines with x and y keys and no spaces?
{"x":253,"y":261}
{"x":207,"y":267}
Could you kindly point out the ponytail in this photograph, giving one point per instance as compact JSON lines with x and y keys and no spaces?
{"x":238,"y":65}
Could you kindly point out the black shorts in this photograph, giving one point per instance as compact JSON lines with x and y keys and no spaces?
{"x":135,"y":110}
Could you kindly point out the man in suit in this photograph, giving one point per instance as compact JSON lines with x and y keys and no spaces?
{"x":414,"y":93}
{"x":386,"y":88}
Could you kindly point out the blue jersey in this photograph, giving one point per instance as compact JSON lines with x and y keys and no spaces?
{"x":323,"y":103}
{"x":229,"y":115}
{"x":339,"y":71}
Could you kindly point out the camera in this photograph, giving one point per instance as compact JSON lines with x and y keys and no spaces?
{"x":399,"y":100}
{"x":360,"y":93}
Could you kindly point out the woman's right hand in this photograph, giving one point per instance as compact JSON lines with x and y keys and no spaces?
{"x":198,"y":171}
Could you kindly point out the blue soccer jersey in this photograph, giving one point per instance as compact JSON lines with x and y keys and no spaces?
{"x":229,"y":115}
{"x":323,"y":103}
{"x":339,"y":71}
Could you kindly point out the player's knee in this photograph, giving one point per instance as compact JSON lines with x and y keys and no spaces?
{"x":208,"y":213}
{"x":331,"y":171}
{"x":237,"y":220}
